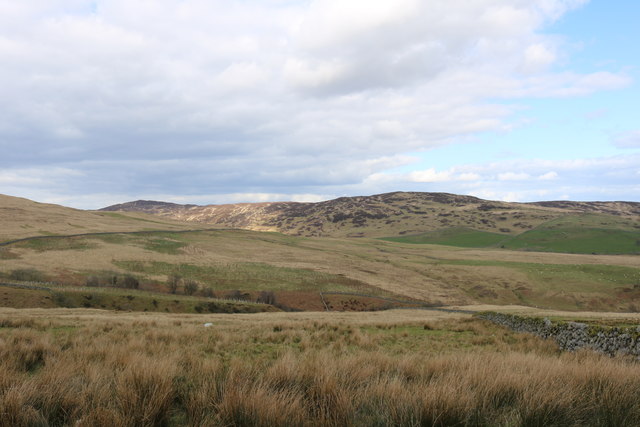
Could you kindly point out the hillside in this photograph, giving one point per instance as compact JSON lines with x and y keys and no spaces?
{"x":463,"y":259}
{"x":386,"y":215}
{"x":20,"y":218}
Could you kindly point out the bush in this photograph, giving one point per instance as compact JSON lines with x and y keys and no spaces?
{"x":237,"y":295}
{"x":27,"y":275}
{"x":173,"y":282}
{"x":267,"y":297}
{"x":93,"y":281}
{"x":130,"y":282}
{"x":191,"y":287}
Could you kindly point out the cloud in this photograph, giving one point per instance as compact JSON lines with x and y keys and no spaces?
{"x":264,"y":97}
{"x":513,"y":176}
{"x":629,"y":139}
{"x":549,"y":176}
{"x":606,"y":178}
{"x":451,"y":175}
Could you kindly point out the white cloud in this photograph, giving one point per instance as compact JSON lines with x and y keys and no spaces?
{"x":430,"y":175}
{"x":513,"y":176}
{"x":450,"y":175}
{"x":537,"y":57}
{"x":629,"y":139}
{"x":548,"y":176}
{"x":266,"y":97}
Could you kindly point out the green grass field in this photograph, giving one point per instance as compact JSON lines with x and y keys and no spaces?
{"x":461,"y":237}
{"x":579,"y":234}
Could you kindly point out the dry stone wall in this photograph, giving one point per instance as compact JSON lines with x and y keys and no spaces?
{"x":572,"y":336}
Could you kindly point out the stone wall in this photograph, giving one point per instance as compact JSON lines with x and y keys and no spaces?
{"x":573,"y":335}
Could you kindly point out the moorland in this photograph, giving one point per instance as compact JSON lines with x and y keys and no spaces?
{"x":357,"y":311}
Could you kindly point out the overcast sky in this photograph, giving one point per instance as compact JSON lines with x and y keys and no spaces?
{"x":216,"y":101}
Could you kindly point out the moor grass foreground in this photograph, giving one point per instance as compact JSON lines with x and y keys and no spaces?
{"x":93,"y":368}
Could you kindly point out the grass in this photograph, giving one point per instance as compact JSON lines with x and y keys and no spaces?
{"x":228,"y":260}
{"x":578,"y":241}
{"x":90,"y":368}
{"x":128,"y":217}
{"x":458,"y":236}
{"x":56,"y":244}
{"x":51,"y":296}
{"x":161,"y":242}
{"x":132,"y":300}
{"x":165,"y":243}
{"x":250,"y":276}
{"x":578,"y":234}
{"x":7,"y":254}
{"x":567,"y":276}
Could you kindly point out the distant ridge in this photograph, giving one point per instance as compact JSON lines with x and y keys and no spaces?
{"x":148,"y":206}
{"x":611,"y":208}
{"x":388,"y":214}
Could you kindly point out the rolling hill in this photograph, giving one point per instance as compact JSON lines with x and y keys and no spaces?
{"x":435,"y":249}
{"x":20,"y":218}
{"x":436,"y":218}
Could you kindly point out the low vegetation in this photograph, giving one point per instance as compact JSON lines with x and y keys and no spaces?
{"x":577,"y":234}
{"x":461,"y":237}
{"x":252,"y":262}
{"x":249,"y":276}
{"x":97,"y":369}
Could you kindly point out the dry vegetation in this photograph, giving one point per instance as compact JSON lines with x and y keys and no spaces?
{"x":83,"y":367}
{"x":24,"y":218}
{"x":252,"y":261}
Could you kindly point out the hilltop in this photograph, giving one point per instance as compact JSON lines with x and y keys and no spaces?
{"x":385,"y":215}
{"x":22,"y":218}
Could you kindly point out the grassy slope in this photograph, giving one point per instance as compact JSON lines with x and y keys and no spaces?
{"x":459,"y":236}
{"x":24,"y":218}
{"x":603,"y":234}
{"x":253,"y":262}
{"x":580,"y":234}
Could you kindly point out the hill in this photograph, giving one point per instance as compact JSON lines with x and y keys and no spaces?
{"x":436,"y":218}
{"x":22,"y":218}
{"x":452,"y":262}
{"x":364,"y":216}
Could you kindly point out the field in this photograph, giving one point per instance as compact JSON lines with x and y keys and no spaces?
{"x":405,"y":367}
{"x":297,"y":269}
{"x":128,"y":319}
{"x":579,"y":234}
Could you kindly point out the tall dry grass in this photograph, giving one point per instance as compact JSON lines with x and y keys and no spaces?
{"x":154,"y":373}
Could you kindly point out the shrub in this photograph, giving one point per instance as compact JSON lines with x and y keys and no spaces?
{"x":208,"y":293}
{"x":130,"y":282}
{"x":173,"y":282}
{"x":93,"y":281}
{"x":191,"y":287}
{"x":237,"y":295}
{"x":267,"y":297}
{"x":27,"y":275}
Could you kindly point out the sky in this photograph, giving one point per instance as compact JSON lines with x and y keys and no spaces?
{"x":225,"y":101}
